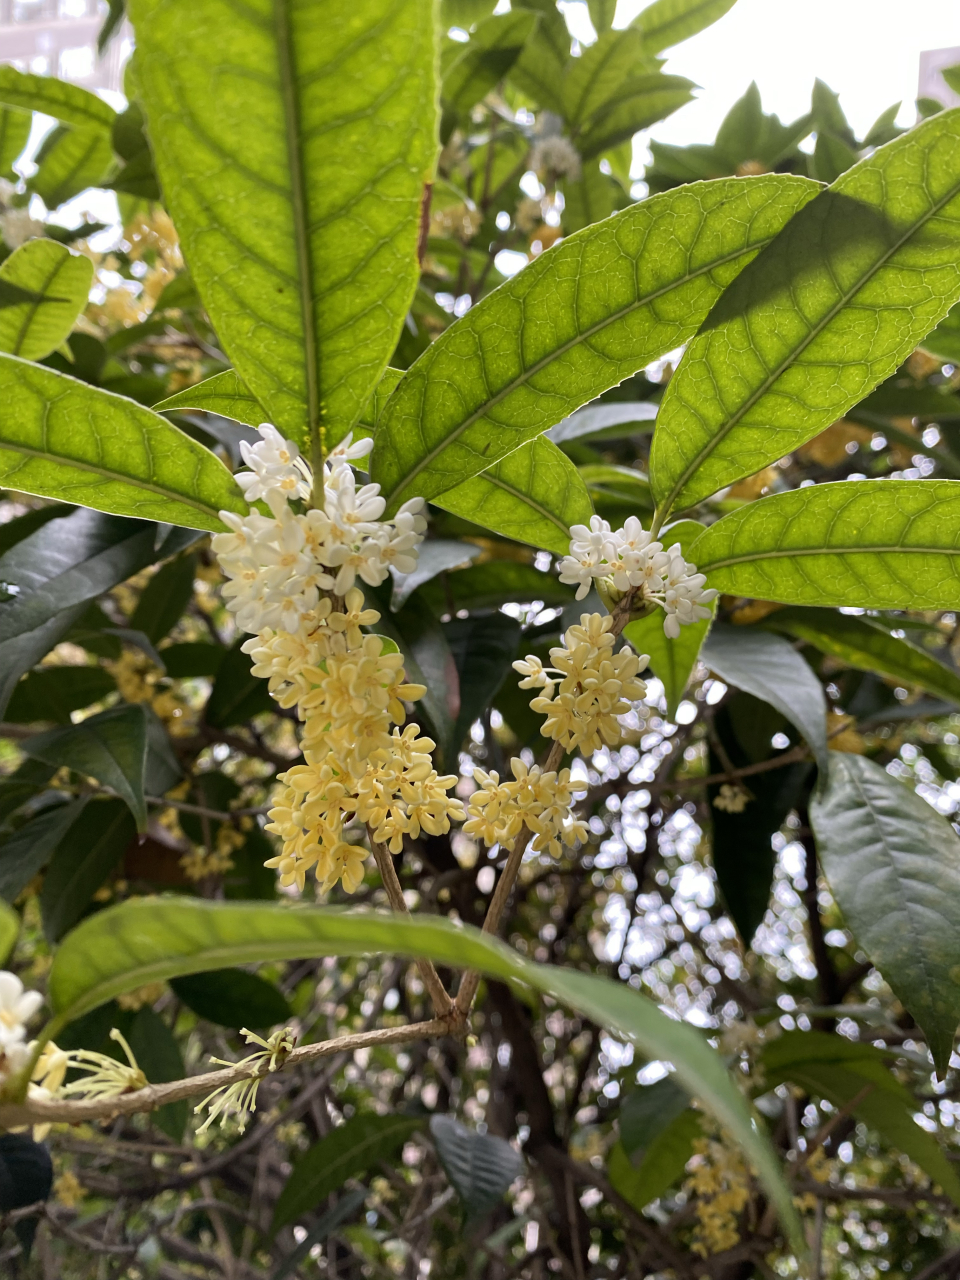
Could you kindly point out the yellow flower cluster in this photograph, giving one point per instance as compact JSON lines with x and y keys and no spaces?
{"x":200,"y":862}
{"x":540,"y":801}
{"x":595,"y":686}
{"x":721,"y":1183}
{"x":358,"y":767}
{"x":138,"y":681}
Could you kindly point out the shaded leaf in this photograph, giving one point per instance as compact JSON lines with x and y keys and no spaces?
{"x":438,"y":555}
{"x":540,"y":346}
{"x":193,"y":658}
{"x":158,"y":1053}
{"x":493,"y":583}
{"x":771,"y":669}
{"x":483,"y":649}
{"x":662,"y":1164}
{"x":233,"y":998}
{"x":480,"y":1166}
{"x":26,"y":1176}
{"x":355,"y":1146}
{"x":63,"y":439}
{"x":53,"y":692}
{"x":299,"y":213}
{"x":58,"y":282}
{"x":872,"y":544}
{"x":31,"y":847}
{"x":14,"y":134}
{"x":492,"y":50}
{"x":327,"y":1223}
{"x":853,"y":282}
{"x":237,"y":695}
{"x":893,"y":866}
{"x":84,"y":858}
{"x":111,"y":747}
{"x":647,"y":1111}
{"x":603,"y":416}
{"x":164,"y":599}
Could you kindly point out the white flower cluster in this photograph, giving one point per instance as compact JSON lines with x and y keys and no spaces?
{"x":279,"y":564}
{"x":17,"y":1007}
{"x":629,"y":557}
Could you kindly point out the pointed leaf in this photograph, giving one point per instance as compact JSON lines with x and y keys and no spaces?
{"x":71,"y":161}
{"x":60,"y":438}
{"x":299,"y":209}
{"x":437,"y":555}
{"x":225,"y":393}
{"x":830,"y":309}
{"x":648,"y":1110}
{"x":481,"y":1166}
{"x":867,"y":644}
{"x":111,"y":747}
{"x":164,"y":599}
{"x":541,"y":345}
{"x":662,"y":1163}
{"x":60,"y":281}
{"x":86,"y":855}
{"x":233,"y":998}
{"x":355,"y":1146}
{"x":532,"y":495}
{"x":771,"y":669}
{"x":158,"y":1053}
{"x":237,"y":695}
{"x":53,"y":692}
{"x":58,"y":98}
{"x":493,"y":48}
{"x":31,"y":847}
{"x":147,"y":939}
{"x":869,"y":544}
{"x":893,"y":865}
{"x":666,"y":22}
{"x":483,"y":649}
{"x":14,"y":135}
{"x":606,"y":417}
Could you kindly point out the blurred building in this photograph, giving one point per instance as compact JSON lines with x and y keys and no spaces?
{"x":932,"y":83}
{"x":59,"y":38}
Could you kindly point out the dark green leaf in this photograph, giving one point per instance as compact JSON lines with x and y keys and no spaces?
{"x":893,"y":866}
{"x":53,"y":692}
{"x":237,"y":695}
{"x":158,"y":1053}
{"x":328,"y":1223}
{"x":111,"y":747}
{"x":233,"y":998}
{"x":647,"y":1111}
{"x":299,"y":215}
{"x":872,"y":544}
{"x":496,"y":582}
{"x":662,"y":1164}
{"x":26,"y":1177}
{"x":148,"y":939}
{"x":165,"y":598}
{"x":86,"y":855}
{"x":483,"y":649}
{"x":771,"y":669}
{"x":479,"y":1165}
{"x":14,"y":531}
{"x":944,"y":341}
{"x":185,"y":661}
{"x":854,"y":281}
{"x":866,"y":643}
{"x":31,"y":847}
{"x":57,"y":282}
{"x":16,"y":788}
{"x":666,"y":22}
{"x":438,"y":555}
{"x":605,"y":417}
{"x":532,"y":495}
{"x":590,"y":196}
{"x":355,"y":1146}
{"x":427,"y":660}
{"x":540,"y":346}
{"x":249,"y":878}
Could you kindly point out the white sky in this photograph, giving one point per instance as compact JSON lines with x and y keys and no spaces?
{"x":866,"y":50}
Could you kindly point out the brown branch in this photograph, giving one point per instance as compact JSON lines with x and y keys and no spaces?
{"x":40,"y":1111}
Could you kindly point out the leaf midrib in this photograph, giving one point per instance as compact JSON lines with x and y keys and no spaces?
{"x":107,"y":474}
{"x":710,"y":566}
{"x":715,"y":440}
{"x":555,"y":354}
{"x":525,"y":498}
{"x":34,"y":307}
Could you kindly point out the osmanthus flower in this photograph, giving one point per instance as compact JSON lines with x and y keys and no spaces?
{"x":17,"y":1007}
{"x":629,"y":559}
{"x":543,"y":802}
{"x":106,"y":1077}
{"x":588,"y":687}
{"x":240,"y":1098}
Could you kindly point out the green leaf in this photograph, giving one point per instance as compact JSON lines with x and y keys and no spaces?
{"x":872,"y":544}
{"x":53,"y":692}
{"x":345,"y":1207}
{"x":20,"y":527}
{"x":532,"y":495}
{"x":601,"y":75}
{"x":606,"y":418}
{"x":427,"y":660}
{"x":944,"y":341}
{"x":771,"y":669}
{"x":666,"y":22}
{"x":148,"y":939}
{"x":646,"y":1111}
{"x":233,"y":998}
{"x":617,"y":492}
{"x":86,"y":855}
{"x":642,"y":102}
{"x":224,"y":393}
{"x":893,"y":866}
{"x":355,"y":1146}
{"x":671,"y":661}
{"x":164,"y":599}
{"x":65,"y":102}
{"x":14,"y":135}
{"x":299,"y":212}
{"x":63,"y":439}
{"x":483,"y":649}
{"x":866,"y":643}
{"x":496,"y":582}
{"x":9,"y":930}
{"x":237,"y":695}
{"x":662,"y":1164}
{"x":831,"y":308}
{"x":492,"y":50}
{"x":110,"y":747}
{"x":838,"y":1069}
{"x":480,"y":1166}
{"x":541,"y":345}
{"x":16,"y":788}
{"x":185,"y":661}
{"x":437,"y":555}
{"x":59,"y":282}
{"x":590,"y":196}
{"x":71,"y":161}
{"x":157,"y":1052}
{"x":31,"y":847}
